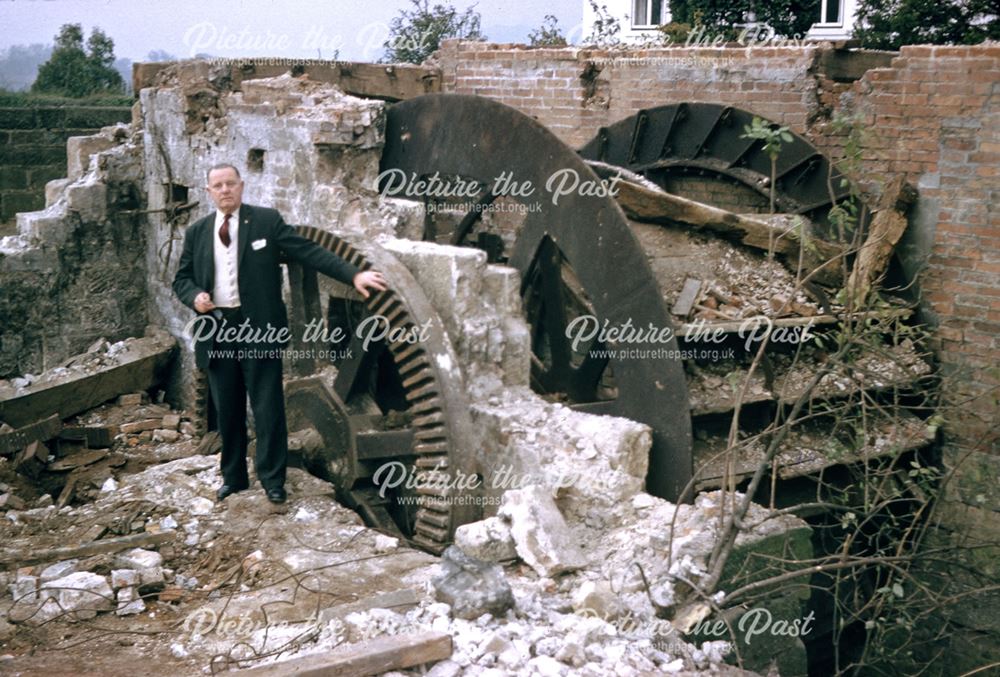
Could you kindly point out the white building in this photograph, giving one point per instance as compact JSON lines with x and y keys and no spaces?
{"x":639,"y":18}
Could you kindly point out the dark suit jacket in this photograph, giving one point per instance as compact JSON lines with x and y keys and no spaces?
{"x":259,"y":275}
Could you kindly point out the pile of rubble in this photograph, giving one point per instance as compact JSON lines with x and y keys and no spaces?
{"x":244,"y":582}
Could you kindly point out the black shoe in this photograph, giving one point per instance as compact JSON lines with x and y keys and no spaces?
{"x":226,"y":490}
{"x":276,"y":495}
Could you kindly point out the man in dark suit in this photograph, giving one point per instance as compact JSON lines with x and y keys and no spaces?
{"x":229,"y":274}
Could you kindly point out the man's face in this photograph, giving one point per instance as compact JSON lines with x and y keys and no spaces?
{"x":226,"y":189}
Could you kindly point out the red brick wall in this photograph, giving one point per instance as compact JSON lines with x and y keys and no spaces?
{"x":560,"y":88}
{"x":933,"y":115}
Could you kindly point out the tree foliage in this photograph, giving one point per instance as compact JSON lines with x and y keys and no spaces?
{"x":416,"y":33}
{"x":548,"y":34}
{"x":890,"y":25}
{"x":73,"y":71}
{"x":788,"y":18}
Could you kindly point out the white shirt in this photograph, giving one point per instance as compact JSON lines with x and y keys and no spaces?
{"x":226,"y":293}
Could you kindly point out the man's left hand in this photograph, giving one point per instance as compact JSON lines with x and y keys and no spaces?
{"x":369,"y":279}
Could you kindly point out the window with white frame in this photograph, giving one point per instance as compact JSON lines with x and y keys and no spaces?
{"x":831,"y":13}
{"x":647,"y":13}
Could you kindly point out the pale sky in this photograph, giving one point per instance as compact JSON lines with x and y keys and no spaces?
{"x":281,"y":28}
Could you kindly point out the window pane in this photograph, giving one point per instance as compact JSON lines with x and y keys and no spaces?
{"x":657,"y":7}
{"x":832,"y":14}
{"x":639,"y":15}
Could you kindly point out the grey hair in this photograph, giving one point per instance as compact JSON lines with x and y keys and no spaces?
{"x":221,"y":165}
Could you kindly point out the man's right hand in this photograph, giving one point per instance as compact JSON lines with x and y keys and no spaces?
{"x":203,"y":302}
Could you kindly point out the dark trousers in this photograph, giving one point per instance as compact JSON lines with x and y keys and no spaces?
{"x":231,"y":377}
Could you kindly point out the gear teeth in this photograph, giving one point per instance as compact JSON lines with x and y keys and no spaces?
{"x":431,"y":445}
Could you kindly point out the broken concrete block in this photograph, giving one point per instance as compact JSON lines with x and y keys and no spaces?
{"x":137,"y":558}
{"x":81,"y":595}
{"x":54,"y":191}
{"x":540,"y":534}
{"x":597,"y":599}
{"x":171,"y":422}
{"x":89,"y":200}
{"x":472,"y":587}
{"x":78,"y":152}
{"x":152,"y":579}
{"x":124,"y":578}
{"x":11,"y":502}
{"x":43,"y":227}
{"x":162,"y":435}
{"x":129,"y":602}
{"x":385,"y":543}
{"x":489,"y":540}
{"x":24,"y":589}
{"x":59,"y":570}
{"x":130,"y":400}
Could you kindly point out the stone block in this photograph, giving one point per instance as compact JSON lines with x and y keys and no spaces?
{"x":89,"y":200}
{"x":81,"y":595}
{"x":129,"y":602}
{"x":595,"y":598}
{"x":124,"y":578}
{"x":163,"y":435}
{"x":54,"y":191}
{"x":59,"y":570}
{"x":541,"y":537}
{"x":43,"y":226}
{"x":450,"y":276}
{"x":489,"y":540}
{"x":472,"y":587}
{"x":137,"y":558}
{"x":24,"y":590}
{"x":757,"y":559}
{"x":79,"y":149}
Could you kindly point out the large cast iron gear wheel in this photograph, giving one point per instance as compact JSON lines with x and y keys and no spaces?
{"x":575,"y":257}
{"x":416,"y":384}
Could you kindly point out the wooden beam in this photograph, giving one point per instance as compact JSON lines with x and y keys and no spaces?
{"x":27,"y":554}
{"x":139,"y":366}
{"x":888,"y":225}
{"x":390,"y":82}
{"x":373,"y":657}
{"x":759,"y":231}
{"x":39,"y":431}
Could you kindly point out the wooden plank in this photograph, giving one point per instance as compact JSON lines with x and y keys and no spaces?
{"x":32,"y":460}
{"x":139,"y":366}
{"x":748,"y":325}
{"x":39,"y":431}
{"x":685,"y":301}
{"x":373,"y":657}
{"x":68,"y":490}
{"x":28,"y":554}
{"x":887,"y":227}
{"x":78,"y":460}
{"x":96,"y":436}
{"x":758,"y":231}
